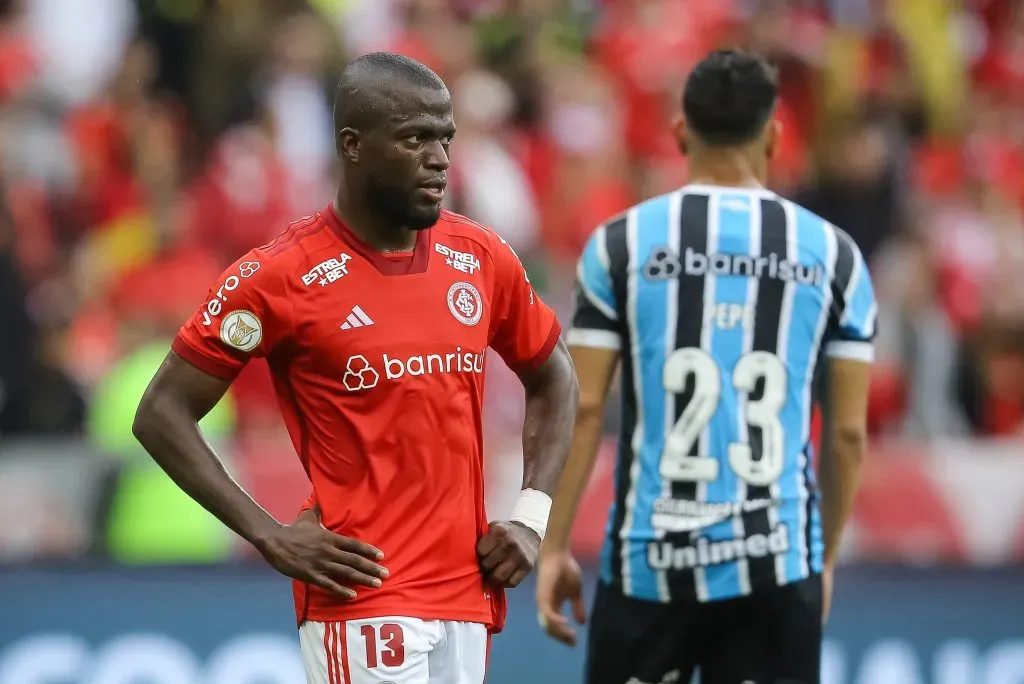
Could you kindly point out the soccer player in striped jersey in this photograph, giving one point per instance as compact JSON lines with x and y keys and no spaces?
{"x":724,"y":304}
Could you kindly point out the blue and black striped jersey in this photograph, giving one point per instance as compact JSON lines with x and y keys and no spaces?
{"x":721,"y":302}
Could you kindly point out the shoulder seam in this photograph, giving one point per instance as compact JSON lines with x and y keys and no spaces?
{"x":290,"y":229}
{"x":279,"y":246}
{"x":465,"y":220}
{"x":483,"y":242}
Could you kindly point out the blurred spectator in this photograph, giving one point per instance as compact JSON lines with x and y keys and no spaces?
{"x":241,"y":197}
{"x":80,"y":44}
{"x":589,"y":179}
{"x":856,"y":187}
{"x":18,"y":343}
{"x":37,"y":398}
{"x":299,"y":99}
{"x":489,"y":180}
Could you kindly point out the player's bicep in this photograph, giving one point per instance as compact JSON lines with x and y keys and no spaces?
{"x":846,"y":400}
{"x":595,"y":368}
{"x":854,"y":312}
{"x":178,"y":397}
{"x":186,"y":386}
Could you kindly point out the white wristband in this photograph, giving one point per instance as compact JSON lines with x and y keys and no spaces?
{"x":532,"y":509}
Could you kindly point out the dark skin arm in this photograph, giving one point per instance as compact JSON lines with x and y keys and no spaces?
{"x":509,"y":550}
{"x":167,"y":425}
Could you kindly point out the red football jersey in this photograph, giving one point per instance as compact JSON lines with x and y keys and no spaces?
{"x":378,"y":365}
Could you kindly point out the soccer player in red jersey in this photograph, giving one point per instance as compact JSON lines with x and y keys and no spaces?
{"x":374,"y":315}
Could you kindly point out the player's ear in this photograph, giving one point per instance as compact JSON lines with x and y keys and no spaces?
{"x":347,"y":141}
{"x":680,"y":132}
{"x":772,"y":137}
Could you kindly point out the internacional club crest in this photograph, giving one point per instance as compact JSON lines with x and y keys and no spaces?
{"x":241,"y":330}
{"x":465,"y":303}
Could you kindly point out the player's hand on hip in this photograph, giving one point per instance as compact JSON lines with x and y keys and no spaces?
{"x":508,"y":553}
{"x":307,"y":551}
{"x":559,"y":579}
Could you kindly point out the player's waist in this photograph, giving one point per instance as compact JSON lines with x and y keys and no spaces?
{"x":689,"y":589}
{"x":462,"y":599}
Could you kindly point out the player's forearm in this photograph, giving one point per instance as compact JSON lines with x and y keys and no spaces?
{"x":839,"y":478}
{"x":173,"y":439}
{"x":552,"y":395}
{"x":575,"y":477}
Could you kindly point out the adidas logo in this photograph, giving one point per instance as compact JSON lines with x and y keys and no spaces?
{"x":356,"y":319}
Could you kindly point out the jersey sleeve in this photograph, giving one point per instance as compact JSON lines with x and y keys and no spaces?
{"x":524,"y":329}
{"x":851,"y":330}
{"x":595,"y":321}
{"x":243,"y":316}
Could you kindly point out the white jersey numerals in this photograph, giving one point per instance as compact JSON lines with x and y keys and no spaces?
{"x":676,"y":462}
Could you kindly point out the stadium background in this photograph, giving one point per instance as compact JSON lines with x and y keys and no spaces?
{"x":144,"y":145}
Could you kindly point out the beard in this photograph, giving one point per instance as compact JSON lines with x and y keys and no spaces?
{"x":398,"y":205}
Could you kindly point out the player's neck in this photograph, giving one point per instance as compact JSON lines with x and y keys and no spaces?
{"x":727,"y":168}
{"x":375,"y":231}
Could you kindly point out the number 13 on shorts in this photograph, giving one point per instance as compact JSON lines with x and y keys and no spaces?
{"x":358,"y":651}
{"x":393,"y":650}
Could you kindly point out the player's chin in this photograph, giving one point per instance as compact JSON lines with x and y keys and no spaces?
{"x":424,"y":216}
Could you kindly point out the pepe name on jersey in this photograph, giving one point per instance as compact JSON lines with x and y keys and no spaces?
{"x":720,"y":302}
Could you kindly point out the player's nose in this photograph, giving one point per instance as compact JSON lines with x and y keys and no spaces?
{"x":437,"y":157}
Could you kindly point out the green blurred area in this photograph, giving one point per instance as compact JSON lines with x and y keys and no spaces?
{"x":150,"y":519}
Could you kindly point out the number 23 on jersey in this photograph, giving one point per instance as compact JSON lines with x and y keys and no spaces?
{"x":762,"y":413}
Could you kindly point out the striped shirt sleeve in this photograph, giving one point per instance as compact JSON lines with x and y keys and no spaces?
{"x":854,"y":312}
{"x":595,"y":319}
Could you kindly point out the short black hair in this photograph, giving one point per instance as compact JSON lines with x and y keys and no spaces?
{"x":370,"y":83}
{"x":729,"y":97}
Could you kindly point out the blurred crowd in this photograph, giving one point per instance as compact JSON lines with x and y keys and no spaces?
{"x":145,"y":144}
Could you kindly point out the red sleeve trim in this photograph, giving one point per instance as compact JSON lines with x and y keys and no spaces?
{"x":538,"y":359}
{"x":213,"y":367}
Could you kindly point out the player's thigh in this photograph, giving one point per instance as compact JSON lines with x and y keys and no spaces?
{"x":461,"y":655}
{"x":795,"y":648}
{"x":371,"y":651}
{"x":737,"y":647}
{"x":629,"y":638}
{"x":772,"y":637}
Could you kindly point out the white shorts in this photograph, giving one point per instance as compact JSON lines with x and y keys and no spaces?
{"x":394,"y":650}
